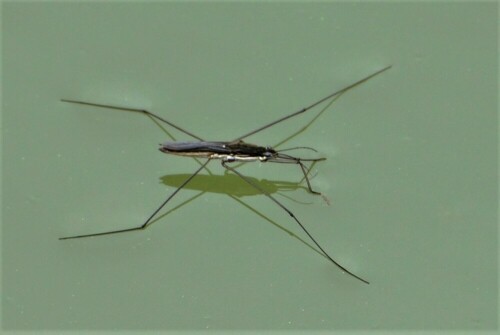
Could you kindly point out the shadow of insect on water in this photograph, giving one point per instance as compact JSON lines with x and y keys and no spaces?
{"x":231,"y":155}
{"x":232,"y":186}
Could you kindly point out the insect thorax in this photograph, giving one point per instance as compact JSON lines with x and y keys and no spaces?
{"x":239,"y":158}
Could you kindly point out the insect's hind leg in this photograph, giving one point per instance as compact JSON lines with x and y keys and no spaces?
{"x":150,"y":218}
{"x":148,"y":113}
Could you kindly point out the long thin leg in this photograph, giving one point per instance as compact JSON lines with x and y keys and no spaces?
{"x":295,"y":218}
{"x":305,"y":109}
{"x":277,"y":225}
{"x":148,"y":221}
{"x":135,"y":110}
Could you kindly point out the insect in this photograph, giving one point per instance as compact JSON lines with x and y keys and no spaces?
{"x":232,"y":151}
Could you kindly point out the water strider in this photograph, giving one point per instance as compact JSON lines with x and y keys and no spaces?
{"x":232,"y":151}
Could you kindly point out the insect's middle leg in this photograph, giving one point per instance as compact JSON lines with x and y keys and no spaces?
{"x":256,"y":186}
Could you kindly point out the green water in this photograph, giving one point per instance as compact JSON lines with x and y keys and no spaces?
{"x":410,"y":179}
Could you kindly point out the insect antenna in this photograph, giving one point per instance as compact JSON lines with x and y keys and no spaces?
{"x":294,"y":148}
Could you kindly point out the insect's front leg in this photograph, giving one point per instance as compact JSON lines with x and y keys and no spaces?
{"x":306,"y":172}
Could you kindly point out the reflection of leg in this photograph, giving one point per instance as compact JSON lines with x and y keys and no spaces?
{"x":148,"y":221}
{"x":293,"y":217}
